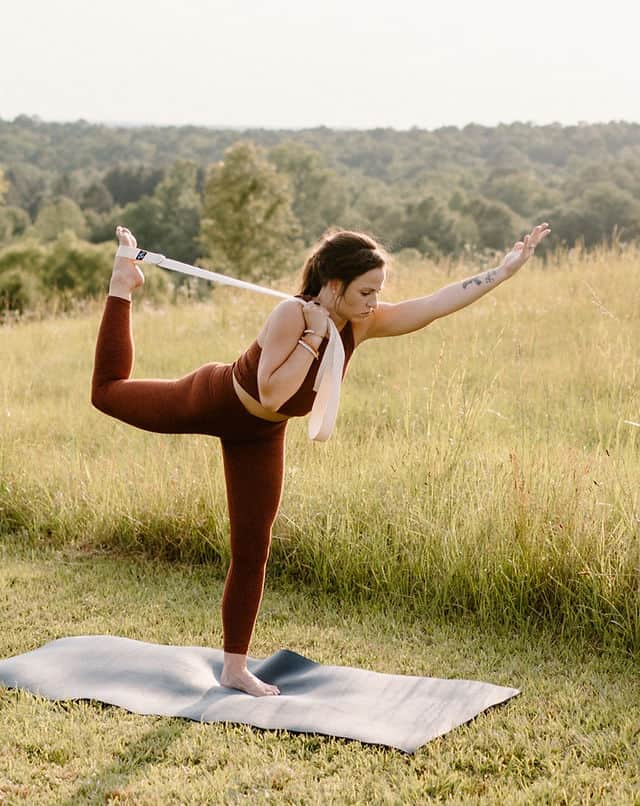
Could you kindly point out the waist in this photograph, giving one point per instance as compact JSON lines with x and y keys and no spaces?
{"x":254,"y":407}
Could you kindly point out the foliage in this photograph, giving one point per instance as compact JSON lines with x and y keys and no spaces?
{"x":248,"y":226}
{"x":14,"y":221}
{"x":60,"y":273}
{"x":430,"y":228}
{"x":4,"y":185}
{"x":58,"y":215}
{"x":169,"y":219}
{"x":129,"y":183}
{"x":20,"y":290}
{"x":602,"y":212}
{"x":319,"y":194}
{"x":496,"y":224}
{"x":452,"y":191}
{"x":28,"y":185}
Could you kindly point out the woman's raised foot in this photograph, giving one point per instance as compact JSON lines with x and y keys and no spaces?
{"x":126,"y":274}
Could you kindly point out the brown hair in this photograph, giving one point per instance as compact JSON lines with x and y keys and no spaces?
{"x":340,"y":255}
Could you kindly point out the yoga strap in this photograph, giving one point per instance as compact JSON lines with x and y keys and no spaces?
{"x":329,"y":377}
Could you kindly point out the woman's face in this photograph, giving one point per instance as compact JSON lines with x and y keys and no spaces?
{"x":360,"y":298}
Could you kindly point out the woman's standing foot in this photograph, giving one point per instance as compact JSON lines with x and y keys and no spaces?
{"x":236,"y":675}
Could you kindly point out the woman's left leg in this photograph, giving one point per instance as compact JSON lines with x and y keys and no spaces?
{"x":253,"y":472}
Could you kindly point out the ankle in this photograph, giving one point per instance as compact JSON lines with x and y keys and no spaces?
{"x":235,"y":662}
{"x":119,"y":289}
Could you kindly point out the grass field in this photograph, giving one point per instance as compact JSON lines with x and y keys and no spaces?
{"x":487,"y":465}
{"x":476,"y":514}
{"x":570,"y":738}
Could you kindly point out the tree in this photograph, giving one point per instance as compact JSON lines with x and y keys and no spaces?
{"x":128,"y":183}
{"x":168,"y":221}
{"x":13,"y":222}
{"x":374,"y":209}
{"x":28,"y":186}
{"x":497,"y":224}
{"x":4,"y":185}
{"x":19,"y":290}
{"x":248,"y":226}
{"x":57,"y":215}
{"x":97,"y":197}
{"x":597,"y":215}
{"x":430,"y":228}
{"x":516,"y":189}
{"x":319,"y":194}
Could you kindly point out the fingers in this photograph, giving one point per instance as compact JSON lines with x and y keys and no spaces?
{"x":316,"y":316}
{"x":539,"y":233}
{"x":312,"y":305}
{"x":531,"y":240}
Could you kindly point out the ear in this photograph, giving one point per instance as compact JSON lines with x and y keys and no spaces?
{"x":335,"y":287}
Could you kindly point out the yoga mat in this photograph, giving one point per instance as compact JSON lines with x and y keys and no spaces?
{"x":398,"y":711}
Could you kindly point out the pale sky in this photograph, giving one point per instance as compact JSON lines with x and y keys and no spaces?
{"x":336,"y":63}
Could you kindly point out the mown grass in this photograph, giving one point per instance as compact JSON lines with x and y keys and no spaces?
{"x":486,"y":467}
{"x":571,"y":737}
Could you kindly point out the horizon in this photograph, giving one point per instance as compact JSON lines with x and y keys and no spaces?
{"x":257,"y":127}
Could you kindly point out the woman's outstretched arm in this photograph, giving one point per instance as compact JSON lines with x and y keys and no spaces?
{"x":412,"y":314}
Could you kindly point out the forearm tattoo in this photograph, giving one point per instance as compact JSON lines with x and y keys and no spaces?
{"x":482,"y":279}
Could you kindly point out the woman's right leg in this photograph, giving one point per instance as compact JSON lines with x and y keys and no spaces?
{"x":168,"y":407}
{"x":180,"y":406}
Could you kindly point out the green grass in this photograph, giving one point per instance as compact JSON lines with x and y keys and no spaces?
{"x":476,"y":515}
{"x":571,"y":737}
{"x":483,"y":467}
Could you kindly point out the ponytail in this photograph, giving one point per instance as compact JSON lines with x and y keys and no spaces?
{"x":340,"y":255}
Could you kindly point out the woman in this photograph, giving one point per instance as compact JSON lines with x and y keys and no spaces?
{"x":247,"y":404}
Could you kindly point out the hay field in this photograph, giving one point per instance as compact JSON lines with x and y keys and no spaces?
{"x":486,"y":467}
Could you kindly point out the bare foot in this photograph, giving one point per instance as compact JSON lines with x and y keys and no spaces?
{"x":126,"y":274}
{"x":243,"y":680}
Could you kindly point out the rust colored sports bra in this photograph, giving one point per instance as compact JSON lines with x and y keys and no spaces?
{"x":245,"y":370}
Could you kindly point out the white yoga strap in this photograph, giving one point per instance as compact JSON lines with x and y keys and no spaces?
{"x":329,"y":377}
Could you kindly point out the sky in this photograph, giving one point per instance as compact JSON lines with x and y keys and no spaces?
{"x":337,"y":63}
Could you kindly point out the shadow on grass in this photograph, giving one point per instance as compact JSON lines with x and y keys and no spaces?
{"x":114,"y":781}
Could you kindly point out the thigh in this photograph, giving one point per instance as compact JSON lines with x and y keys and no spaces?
{"x":254,"y":472}
{"x":185,"y":405}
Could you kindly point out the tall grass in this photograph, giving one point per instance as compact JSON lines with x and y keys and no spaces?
{"x":487,"y":465}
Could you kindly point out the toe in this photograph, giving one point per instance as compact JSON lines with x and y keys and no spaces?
{"x":125,"y":237}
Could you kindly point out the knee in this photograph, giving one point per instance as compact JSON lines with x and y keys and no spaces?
{"x":100,"y":398}
{"x":251,"y":551}
{"x":96,"y":398}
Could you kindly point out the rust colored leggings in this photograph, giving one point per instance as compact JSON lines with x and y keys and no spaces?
{"x":204,"y":402}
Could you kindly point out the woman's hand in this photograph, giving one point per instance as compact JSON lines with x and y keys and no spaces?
{"x":523,"y":250}
{"x":316,"y":318}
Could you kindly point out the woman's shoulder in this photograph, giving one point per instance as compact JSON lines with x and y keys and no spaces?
{"x":286,"y":316}
{"x":289,"y":306}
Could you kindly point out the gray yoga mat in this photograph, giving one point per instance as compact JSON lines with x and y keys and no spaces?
{"x":394,"y":710}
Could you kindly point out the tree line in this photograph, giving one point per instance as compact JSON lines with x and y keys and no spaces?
{"x":250,"y":202}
